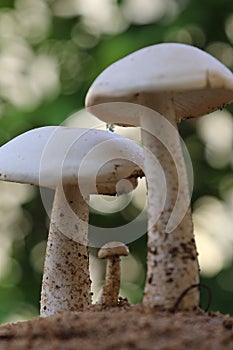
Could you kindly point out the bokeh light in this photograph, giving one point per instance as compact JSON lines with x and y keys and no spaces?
{"x":214,"y":233}
{"x":216,"y":130}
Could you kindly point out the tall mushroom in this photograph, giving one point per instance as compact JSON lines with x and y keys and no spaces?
{"x":175,"y":82}
{"x":72,"y":162}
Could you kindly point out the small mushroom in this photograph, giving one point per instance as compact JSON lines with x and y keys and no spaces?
{"x":75,"y":163}
{"x":173,"y":82}
{"x":110,"y":291}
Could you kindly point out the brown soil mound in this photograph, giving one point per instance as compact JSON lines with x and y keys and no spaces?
{"x":123,"y":327}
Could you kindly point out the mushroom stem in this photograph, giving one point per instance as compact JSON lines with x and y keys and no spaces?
{"x":110,"y":292}
{"x":172,"y":263}
{"x":66,"y":281}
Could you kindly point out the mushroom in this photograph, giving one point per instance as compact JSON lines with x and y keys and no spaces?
{"x":110,"y":291}
{"x":67,"y":160}
{"x":174,"y":82}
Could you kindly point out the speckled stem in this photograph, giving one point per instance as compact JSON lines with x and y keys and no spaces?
{"x":66,"y":281}
{"x":110,"y":292}
{"x":172,"y":258}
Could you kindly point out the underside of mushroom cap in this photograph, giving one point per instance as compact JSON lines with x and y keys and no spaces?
{"x":197,"y":82}
{"x":52,"y":155}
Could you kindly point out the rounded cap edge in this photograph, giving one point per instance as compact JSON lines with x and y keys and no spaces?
{"x":112,"y":249}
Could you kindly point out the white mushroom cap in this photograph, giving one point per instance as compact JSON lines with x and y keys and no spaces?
{"x":52,"y":155}
{"x":112,"y":249}
{"x":199,"y":83}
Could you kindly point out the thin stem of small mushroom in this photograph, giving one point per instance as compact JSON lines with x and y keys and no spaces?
{"x":110,"y":291}
{"x":66,"y":281}
{"x":172,"y":258}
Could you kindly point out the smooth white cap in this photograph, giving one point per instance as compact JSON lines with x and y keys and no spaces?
{"x":198,"y":82}
{"x":52,"y":155}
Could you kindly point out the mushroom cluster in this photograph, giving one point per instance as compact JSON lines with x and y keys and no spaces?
{"x":154,"y":88}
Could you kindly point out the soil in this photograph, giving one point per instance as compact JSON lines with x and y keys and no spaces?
{"x":123,"y":327}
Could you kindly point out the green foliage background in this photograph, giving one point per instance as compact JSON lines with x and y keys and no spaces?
{"x":81,"y":53}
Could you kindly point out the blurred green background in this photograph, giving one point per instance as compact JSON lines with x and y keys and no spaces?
{"x":50,"y":52}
